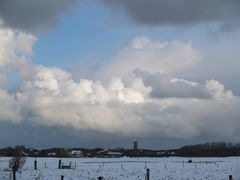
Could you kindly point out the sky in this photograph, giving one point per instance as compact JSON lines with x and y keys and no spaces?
{"x":103,"y":73}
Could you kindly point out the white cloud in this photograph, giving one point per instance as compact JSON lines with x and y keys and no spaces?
{"x":53,"y":98}
{"x":10,"y":108}
{"x":165,"y":86}
{"x":218,"y":91}
{"x":152,"y":56}
{"x":14,"y":46}
{"x":15,"y":52}
{"x":142,"y":103}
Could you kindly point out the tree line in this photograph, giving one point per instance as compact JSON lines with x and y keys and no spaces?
{"x":214,"y":149}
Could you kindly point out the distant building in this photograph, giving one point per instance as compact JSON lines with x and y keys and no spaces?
{"x":135,"y":145}
{"x":106,"y":153}
{"x":114,"y":154}
{"x":76,"y":153}
{"x":23,"y":153}
{"x":51,"y":154}
{"x":103,"y":153}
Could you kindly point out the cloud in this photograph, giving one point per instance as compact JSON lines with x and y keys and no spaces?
{"x":164,"y":86}
{"x":15,"y":50}
{"x":10,"y":108}
{"x":31,"y":15}
{"x":218,"y":91}
{"x":180,"y":12}
{"x":52,"y":98}
{"x":15,"y":46}
{"x":152,"y":56}
{"x":2,"y":80}
{"x":136,"y":103}
{"x":15,"y":53}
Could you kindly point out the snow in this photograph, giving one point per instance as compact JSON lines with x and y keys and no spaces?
{"x":173,"y":168}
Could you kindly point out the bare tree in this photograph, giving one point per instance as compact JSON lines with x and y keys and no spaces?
{"x":16,"y":163}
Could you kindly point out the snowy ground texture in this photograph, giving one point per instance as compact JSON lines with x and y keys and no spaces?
{"x":173,"y":168}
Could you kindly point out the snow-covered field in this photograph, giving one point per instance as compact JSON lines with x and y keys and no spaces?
{"x":128,"y":169}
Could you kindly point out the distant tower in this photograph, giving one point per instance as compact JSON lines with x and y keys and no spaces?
{"x":135,"y":145}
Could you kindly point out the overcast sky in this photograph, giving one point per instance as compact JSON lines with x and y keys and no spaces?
{"x":102,"y":73}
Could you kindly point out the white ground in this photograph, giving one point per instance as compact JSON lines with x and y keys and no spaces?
{"x":128,"y":169}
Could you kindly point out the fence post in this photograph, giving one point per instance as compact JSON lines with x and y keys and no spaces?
{"x":14,"y":175}
{"x":14,"y":170}
{"x":230,"y":177}
{"x":148,"y":174}
{"x":35,"y":164}
{"x":62,"y":177}
{"x":59,"y":163}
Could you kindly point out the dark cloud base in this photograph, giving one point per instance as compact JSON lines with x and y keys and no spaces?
{"x":46,"y":137}
{"x":180,"y":12}
{"x":32,"y":15}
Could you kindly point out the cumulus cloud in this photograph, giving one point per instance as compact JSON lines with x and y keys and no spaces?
{"x":164,"y":86}
{"x":15,"y":52}
{"x":152,"y":56}
{"x":218,"y":91}
{"x":142,"y":103}
{"x":10,"y":108}
{"x":52,"y":98}
{"x":14,"y":46}
{"x":180,"y":12}
{"x":31,"y":15}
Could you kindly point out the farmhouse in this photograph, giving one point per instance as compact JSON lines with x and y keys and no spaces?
{"x":76,"y":153}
